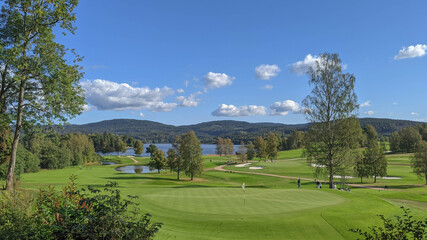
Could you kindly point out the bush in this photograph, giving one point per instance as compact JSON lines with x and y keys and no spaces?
{"x":75,"y":214}
{"x":403,"y":228}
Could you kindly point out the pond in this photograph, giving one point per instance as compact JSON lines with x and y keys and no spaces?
{"x":135,"y":169}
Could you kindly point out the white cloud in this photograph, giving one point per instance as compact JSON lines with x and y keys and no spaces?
{"x":107,"y":95}
{"x":180,"y":90}
{"x":366,"y":104}
{"x":283,"y":108}
{"x":189,"y":101}
{"x":225,"y":110}
{"x":414,"y":114}
{"x":418,"y":50}
{"x":265,"y":71}
{"x":186,"y":83}
{"x":302,"y":67}
{"x":369,"y":113}
{"x":217,"y":80}
{"x":87,"y":108}
{"x":267,"y":87}
{"x":141,"y":114}
{"x":395,"y":103}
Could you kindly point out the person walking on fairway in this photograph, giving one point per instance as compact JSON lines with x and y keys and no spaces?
{"x":299,"y":182}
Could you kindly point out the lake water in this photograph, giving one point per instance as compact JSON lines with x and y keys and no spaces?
{"x":208,"y":149}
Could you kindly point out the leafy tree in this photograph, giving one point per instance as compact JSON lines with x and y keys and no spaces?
{"x":46,"y":86}
{"x":138,"y":147}
{"x":250,"y":151}
{"x":271,"y":146}
{"x":120,"y":145}
{"x":227,"y":147}
{"x":220,"y":146}
{"x":419,"y":160}
{"x":405,"y":227}
{"x":395,"y":142}
{"x":373,"y":162}
{"x":190,"y":151}
{"x":261,"y":148}
{"x":151,"y":149}
{"x":409,"y":139}
{"x":295,"y":140}
{"x":243,"y":152}
{"x":158,"y":160}
{"x":334,"y":136}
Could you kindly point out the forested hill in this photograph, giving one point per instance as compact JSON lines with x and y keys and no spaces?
{"x":207,"y":132}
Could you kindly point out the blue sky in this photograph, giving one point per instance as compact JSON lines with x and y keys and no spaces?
{"x":185,"y":62}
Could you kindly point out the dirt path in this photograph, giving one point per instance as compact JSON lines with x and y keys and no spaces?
{"x":221,"y":168}
{"x":133,"y":159}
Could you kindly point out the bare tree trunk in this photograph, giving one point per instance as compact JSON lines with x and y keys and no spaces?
{"x":331,"y":177}
{"x":361,"y":181}
{"x":11,"y":173}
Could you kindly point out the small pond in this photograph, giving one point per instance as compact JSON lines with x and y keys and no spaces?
{"x":135,"y":169}
{"x":108,"y":163}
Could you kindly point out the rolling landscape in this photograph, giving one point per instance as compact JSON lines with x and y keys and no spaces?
{"x":214,"y":119}
{"x":208,"y":132}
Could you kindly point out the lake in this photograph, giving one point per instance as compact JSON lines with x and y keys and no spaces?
{"x":208,"y":149}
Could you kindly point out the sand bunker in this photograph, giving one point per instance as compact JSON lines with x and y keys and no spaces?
{"x":243,"y":165}
{"x":256,"y":168}
{"x":317,"y":165}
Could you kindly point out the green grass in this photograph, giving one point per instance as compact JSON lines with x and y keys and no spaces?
{"x":215,"y":207}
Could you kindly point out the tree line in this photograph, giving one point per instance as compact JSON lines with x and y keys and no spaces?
{"x":184,"y":156}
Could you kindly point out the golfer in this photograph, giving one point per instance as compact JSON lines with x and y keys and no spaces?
{"x":299,"y":182}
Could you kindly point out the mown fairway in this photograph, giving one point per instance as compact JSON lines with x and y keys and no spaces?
{"x":215,"y":207}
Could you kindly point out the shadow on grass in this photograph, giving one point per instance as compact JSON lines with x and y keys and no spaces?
{"x":404,"y":186}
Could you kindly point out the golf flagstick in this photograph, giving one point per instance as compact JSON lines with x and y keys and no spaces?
{"x":244,"y":194}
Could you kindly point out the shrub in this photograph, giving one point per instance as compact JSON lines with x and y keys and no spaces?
{"x":76,"y":214}
{"x":403,"y":228}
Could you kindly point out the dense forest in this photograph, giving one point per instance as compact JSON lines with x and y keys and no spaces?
{"x":208,"y":132}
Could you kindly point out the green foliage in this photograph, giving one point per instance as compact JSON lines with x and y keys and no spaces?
{"x":261,"y":148}
{"x":405,"y":227}
{"x":25,"y":162}
{"x":74,"y":214}
{"x":138,"y":147}
{"x":108,"y":142}
{"x":406,"y":140}
{"x":158,"y":160}
{"x":373,"y":162}
{"x":250,"y":151}
{"x":151,"y":149}
{"x":419,"y":160}
{"x":335,"y":134}
{"x":190,"y":152}
{"x":271,"y":146}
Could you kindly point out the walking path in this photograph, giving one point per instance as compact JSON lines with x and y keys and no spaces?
{"x":221,"y":168}
{"x":133,"y":159}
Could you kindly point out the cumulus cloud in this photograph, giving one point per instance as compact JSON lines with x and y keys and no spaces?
{"x":87,"y":108}
{"x":283,"y":108}
{"x":366,"y":104}
{"x":267,"y":87}
{"x":301,"y":67}
{"x":414,"y":114}
{"x":141,"y":114}
{"x":107,"y":95}
{"x":418,"y":50}
{"x":189,"y":101}
{"x":265,"y":71}
{"x":217,"y":80}
{"x":369,"y":113}
{"x":180,"y":90}
{"x":225,"y":110}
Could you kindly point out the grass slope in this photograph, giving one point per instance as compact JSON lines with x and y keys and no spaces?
{"x":214,"y":206}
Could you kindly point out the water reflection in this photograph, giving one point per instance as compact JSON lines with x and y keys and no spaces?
{"x":135,"y":169}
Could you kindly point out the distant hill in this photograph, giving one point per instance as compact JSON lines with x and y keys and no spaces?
{"x":207,"y":132}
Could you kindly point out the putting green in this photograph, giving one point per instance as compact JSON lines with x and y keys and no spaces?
{"x":232,"y":201}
